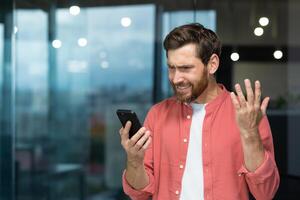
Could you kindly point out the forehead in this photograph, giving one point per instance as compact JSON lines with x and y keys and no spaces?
{"x":183,"y":55}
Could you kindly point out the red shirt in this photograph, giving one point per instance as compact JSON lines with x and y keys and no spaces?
{"x":225,"y":177}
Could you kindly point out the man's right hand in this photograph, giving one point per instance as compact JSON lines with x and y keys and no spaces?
{"x":135,"y":148}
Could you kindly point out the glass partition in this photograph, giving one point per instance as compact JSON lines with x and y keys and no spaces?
{"x":72,"y":74}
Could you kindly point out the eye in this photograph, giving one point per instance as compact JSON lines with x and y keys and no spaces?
{"x":171,"y":67}
{"x":185,"y":68}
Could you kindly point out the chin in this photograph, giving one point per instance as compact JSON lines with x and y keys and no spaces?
{"x":184,"y":99}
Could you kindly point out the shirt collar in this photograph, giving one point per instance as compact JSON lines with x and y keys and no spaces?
{"x":219,"y":99}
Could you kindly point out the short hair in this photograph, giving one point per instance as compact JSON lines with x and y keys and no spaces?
{"x":206,"y":41}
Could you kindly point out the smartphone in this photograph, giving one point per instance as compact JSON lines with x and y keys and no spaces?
{"x":129,"y":115}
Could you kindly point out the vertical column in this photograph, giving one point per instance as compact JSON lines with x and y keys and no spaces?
{"x":7,"y":119}
{"x":157,"y":78}
{"x":52,"y":71}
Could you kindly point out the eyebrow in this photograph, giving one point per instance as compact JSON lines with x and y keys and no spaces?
{"x":178,"y":66}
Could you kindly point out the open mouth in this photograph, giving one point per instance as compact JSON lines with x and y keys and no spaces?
{"x":182,"y":89}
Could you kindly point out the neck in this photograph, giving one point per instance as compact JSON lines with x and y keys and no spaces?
{"x":211,"y":92}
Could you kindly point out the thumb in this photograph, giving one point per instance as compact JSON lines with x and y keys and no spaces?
{"x":264,"y":105}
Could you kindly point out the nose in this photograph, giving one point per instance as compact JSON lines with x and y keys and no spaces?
{"x":177,"y":77}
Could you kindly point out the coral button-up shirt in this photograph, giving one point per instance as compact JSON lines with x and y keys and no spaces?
{"x":224,"y":174}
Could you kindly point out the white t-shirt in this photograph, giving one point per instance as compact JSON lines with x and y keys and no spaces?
{"x":192,"y":180}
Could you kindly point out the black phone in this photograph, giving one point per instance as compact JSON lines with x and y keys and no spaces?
{"x":129,"y":115}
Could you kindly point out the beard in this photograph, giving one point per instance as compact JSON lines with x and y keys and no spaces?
{"x":192,"y":90}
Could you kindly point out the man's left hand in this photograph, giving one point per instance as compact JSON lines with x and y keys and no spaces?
{"x":248,"y":116}
{"x":249,"y":112}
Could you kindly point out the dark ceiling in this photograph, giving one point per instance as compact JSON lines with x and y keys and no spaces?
{"x":166,"y":4}
{"x":236,"y":19}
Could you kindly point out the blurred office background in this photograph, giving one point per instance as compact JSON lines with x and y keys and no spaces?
{"x":66,"y":66}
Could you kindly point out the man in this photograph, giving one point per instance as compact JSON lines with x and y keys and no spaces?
{"x":203,"y":143}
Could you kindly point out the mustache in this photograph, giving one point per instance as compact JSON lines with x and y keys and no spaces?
{"x":181,"y":84}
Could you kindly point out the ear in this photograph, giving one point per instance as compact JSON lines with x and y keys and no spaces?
{"x":213,"y":64}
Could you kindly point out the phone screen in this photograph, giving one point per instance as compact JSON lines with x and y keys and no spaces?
{"x":128,"y":115}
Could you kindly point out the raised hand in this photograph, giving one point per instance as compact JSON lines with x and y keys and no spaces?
{"x":249,"y":112}
{"x":248,"y":115}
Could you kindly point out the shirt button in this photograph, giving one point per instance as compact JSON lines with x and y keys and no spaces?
{"x":189,"y":116}
{"x":205,"y":144}
{"x":181,"y":166}
{"x":185,"y":140}
{"x":177,"y":192}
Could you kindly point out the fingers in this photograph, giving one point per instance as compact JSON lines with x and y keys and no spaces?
{"x":249,"y":91}
{"x":240,"y":94}
{"x":137,"y":136}
{"x":264,"y":105}
{"x":139,"y":145}
{"x":257,"y":93}
{"x":147,"y":143}
{"x":235,"y":101}
{"x":140,"y":140}
{"x":124,"y":132}
{"x":253,"y":98}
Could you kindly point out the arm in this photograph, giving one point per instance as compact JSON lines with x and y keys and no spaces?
{"x":135,"y":148}
{"x":259,"y":164}
{"x":138,"y":179}
{"x":264,"y":181}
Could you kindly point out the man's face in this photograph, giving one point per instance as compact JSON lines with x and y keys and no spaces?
{"x":187,"y":74}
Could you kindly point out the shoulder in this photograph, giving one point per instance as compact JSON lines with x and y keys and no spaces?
{"x":165,"y":105}
{"x":158,"y":111}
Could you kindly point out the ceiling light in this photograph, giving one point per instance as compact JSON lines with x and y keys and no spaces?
{"x":278,"y":54}
{"x":82,"y":42}
{"x":258,"y":31}
{"x":126,"y":21}
{"x":56,"y":44}
{"x":263,"y":21}
{"x":235,"y":56}
{"x":74,"y":10}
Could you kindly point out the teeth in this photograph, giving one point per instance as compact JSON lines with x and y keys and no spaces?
{"x":182,"y":87}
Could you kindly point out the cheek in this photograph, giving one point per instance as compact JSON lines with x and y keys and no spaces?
{"x":194,"y":78}
{"x":199,"y":75}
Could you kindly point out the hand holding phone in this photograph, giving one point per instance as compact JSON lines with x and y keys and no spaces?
{"x":128,"y":115}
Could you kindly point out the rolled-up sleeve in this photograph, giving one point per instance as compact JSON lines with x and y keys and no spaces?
{"x":264,"y":181}
{"x":142,"y":194}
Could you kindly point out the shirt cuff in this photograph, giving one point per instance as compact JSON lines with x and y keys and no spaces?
{"x":263,"y":172}
{"x":128,"y":189}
